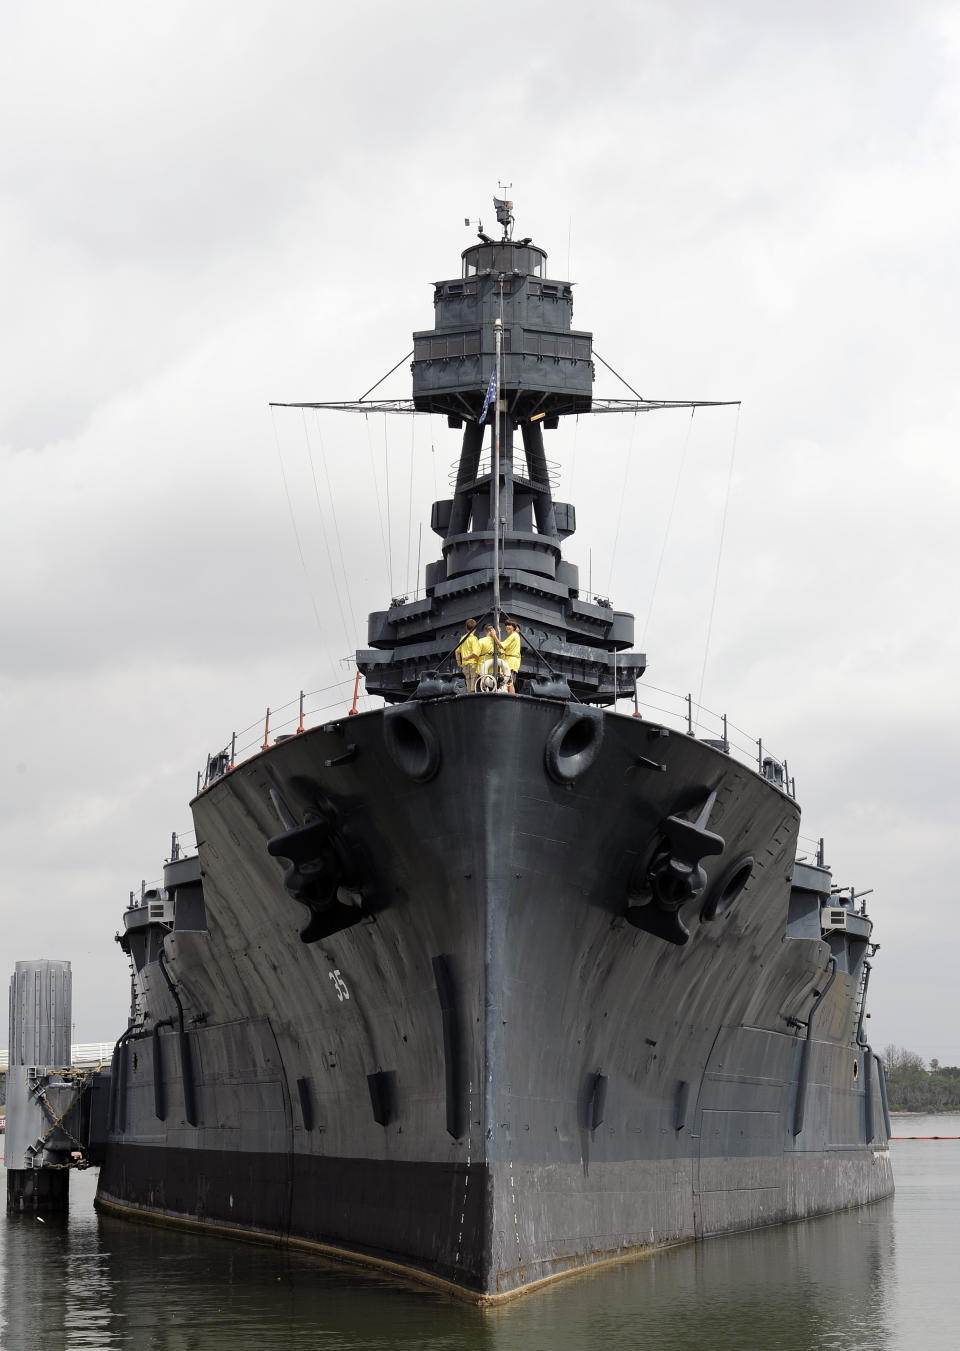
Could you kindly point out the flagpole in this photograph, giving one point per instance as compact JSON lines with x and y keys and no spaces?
{"x":498,"y":337}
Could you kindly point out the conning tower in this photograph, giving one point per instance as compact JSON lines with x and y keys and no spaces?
{"x":571,"y":643}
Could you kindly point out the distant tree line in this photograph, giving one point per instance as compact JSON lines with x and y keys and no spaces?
{"x":912,"y":1087}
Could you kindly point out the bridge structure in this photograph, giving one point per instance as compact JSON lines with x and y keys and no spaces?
{"x":83,"y":1055}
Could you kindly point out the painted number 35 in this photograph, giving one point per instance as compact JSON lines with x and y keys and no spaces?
{"x":339,"y":984}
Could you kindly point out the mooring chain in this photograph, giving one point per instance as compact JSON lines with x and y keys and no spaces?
{"x":57,"y":1121}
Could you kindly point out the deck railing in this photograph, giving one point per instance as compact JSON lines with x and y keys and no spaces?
{"x":82,"y":1055}
{"x":716,"y":729}
{"x":679,"y":710}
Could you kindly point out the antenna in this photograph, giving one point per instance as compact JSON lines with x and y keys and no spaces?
{"x":479,"y":224}
{"x":504,"y":210}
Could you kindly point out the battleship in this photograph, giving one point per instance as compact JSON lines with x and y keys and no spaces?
{"x":488,"y":987}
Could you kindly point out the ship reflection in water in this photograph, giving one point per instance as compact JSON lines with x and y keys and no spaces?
{"x":875,"y":1279}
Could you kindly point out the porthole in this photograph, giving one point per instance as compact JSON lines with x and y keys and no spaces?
{"x":856,"y":1069}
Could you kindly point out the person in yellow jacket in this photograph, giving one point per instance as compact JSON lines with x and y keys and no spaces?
{"x":491,"y":648}
{"x":501,"y":655}
{"x":510,"y":651}
{"x":488,"y":644}
{"x":468,"y":655}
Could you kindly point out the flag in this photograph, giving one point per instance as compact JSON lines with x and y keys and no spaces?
{"x":491,"y":393}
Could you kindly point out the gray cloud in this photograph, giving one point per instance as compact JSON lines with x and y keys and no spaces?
{"x":203,"y":210}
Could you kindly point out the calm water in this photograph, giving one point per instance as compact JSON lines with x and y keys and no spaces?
{"x":882,"y":1279}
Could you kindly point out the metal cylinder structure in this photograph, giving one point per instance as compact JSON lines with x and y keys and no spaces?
{"x":39,"y":1098}
{"x":41,"y":997}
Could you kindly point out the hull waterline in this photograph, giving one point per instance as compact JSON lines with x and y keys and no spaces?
{"x":492,"y":1078}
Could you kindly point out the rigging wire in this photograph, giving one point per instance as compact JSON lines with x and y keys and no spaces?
{"x":618,"y":375}
{"x":386,"y":471}
{"x":324,"y":531}
{"x":623,"y":498}
{"x":376,"y":489}
{"x":351,"y":610}
{"x":293,"y":522}
{"x":573,"y":454}
{"x":666,"y":530}
{"x":413,"y":428}
{"x":385,"y":377}
{"x":716,"y":575}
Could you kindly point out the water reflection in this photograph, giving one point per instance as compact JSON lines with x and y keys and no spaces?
{"x":862,"y":1281}
{"x":804,"y":1286}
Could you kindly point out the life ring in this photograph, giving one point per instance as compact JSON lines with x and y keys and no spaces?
{"x":490,"y":679}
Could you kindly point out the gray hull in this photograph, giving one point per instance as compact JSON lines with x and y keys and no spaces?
{"x":490,"y":1075}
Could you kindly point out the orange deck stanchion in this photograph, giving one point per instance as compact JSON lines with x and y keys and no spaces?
{"x":352,"y":711}
{"x":266,"y":731}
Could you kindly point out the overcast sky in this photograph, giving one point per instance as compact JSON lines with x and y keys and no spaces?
{"x":204,"y":208}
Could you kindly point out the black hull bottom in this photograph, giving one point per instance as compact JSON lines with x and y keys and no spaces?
{"x":336,"y":1206}
{"x":332,"y":1204}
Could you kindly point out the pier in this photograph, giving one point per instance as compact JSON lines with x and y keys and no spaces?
{"x":55,"y":1118}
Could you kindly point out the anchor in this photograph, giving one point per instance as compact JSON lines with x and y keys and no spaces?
{"x":318,"y":869}
{"x":671,"y":874}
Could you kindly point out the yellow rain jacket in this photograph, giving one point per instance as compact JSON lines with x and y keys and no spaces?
{"x":468,"y":650}
{"x":487,"y":654}
{"x":484,"y":648}
{"x":511,"y":651}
